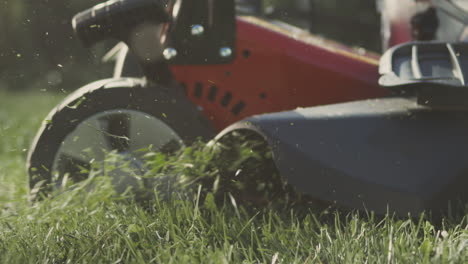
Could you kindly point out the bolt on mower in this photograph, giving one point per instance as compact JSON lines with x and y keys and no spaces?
{"x":340,"y":128}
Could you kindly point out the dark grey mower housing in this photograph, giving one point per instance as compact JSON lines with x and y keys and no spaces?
{"x":383,"y":154}
{"x":403,"y":154}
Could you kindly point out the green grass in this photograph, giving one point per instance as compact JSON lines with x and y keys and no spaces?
{"x":20,"y":117}
{"x":95,"y":225}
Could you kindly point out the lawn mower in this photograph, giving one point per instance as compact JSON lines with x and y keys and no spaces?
{"x":340,"y":128}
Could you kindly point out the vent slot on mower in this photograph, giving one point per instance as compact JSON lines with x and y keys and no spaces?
{"x":435,"y":72}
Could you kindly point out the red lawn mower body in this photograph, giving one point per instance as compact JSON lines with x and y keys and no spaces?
{"x":279,"y":67}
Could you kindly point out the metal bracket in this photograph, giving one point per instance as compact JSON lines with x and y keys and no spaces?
{"x":204,"y":33}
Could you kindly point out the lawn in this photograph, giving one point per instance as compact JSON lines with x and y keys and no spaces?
{"x":94,"y":225}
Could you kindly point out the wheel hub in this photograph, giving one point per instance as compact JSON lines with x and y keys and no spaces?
{"x":126,"y":134}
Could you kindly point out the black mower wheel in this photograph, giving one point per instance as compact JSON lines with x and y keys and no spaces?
{"x":119,"y":115}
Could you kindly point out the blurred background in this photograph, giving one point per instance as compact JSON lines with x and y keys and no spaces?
{"x":39,"y":51}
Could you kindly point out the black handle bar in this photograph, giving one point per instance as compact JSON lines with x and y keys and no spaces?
{"x":116,"y":18}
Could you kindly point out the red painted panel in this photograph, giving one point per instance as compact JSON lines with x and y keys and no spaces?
{"x":278,"y":69}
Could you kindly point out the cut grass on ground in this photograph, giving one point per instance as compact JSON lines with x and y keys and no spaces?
{"x":93,"y":225}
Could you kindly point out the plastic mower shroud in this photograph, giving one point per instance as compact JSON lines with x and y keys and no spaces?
{"x":406,"y":153}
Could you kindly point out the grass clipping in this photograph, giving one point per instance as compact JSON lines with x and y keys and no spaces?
{"x":238,"y":169}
